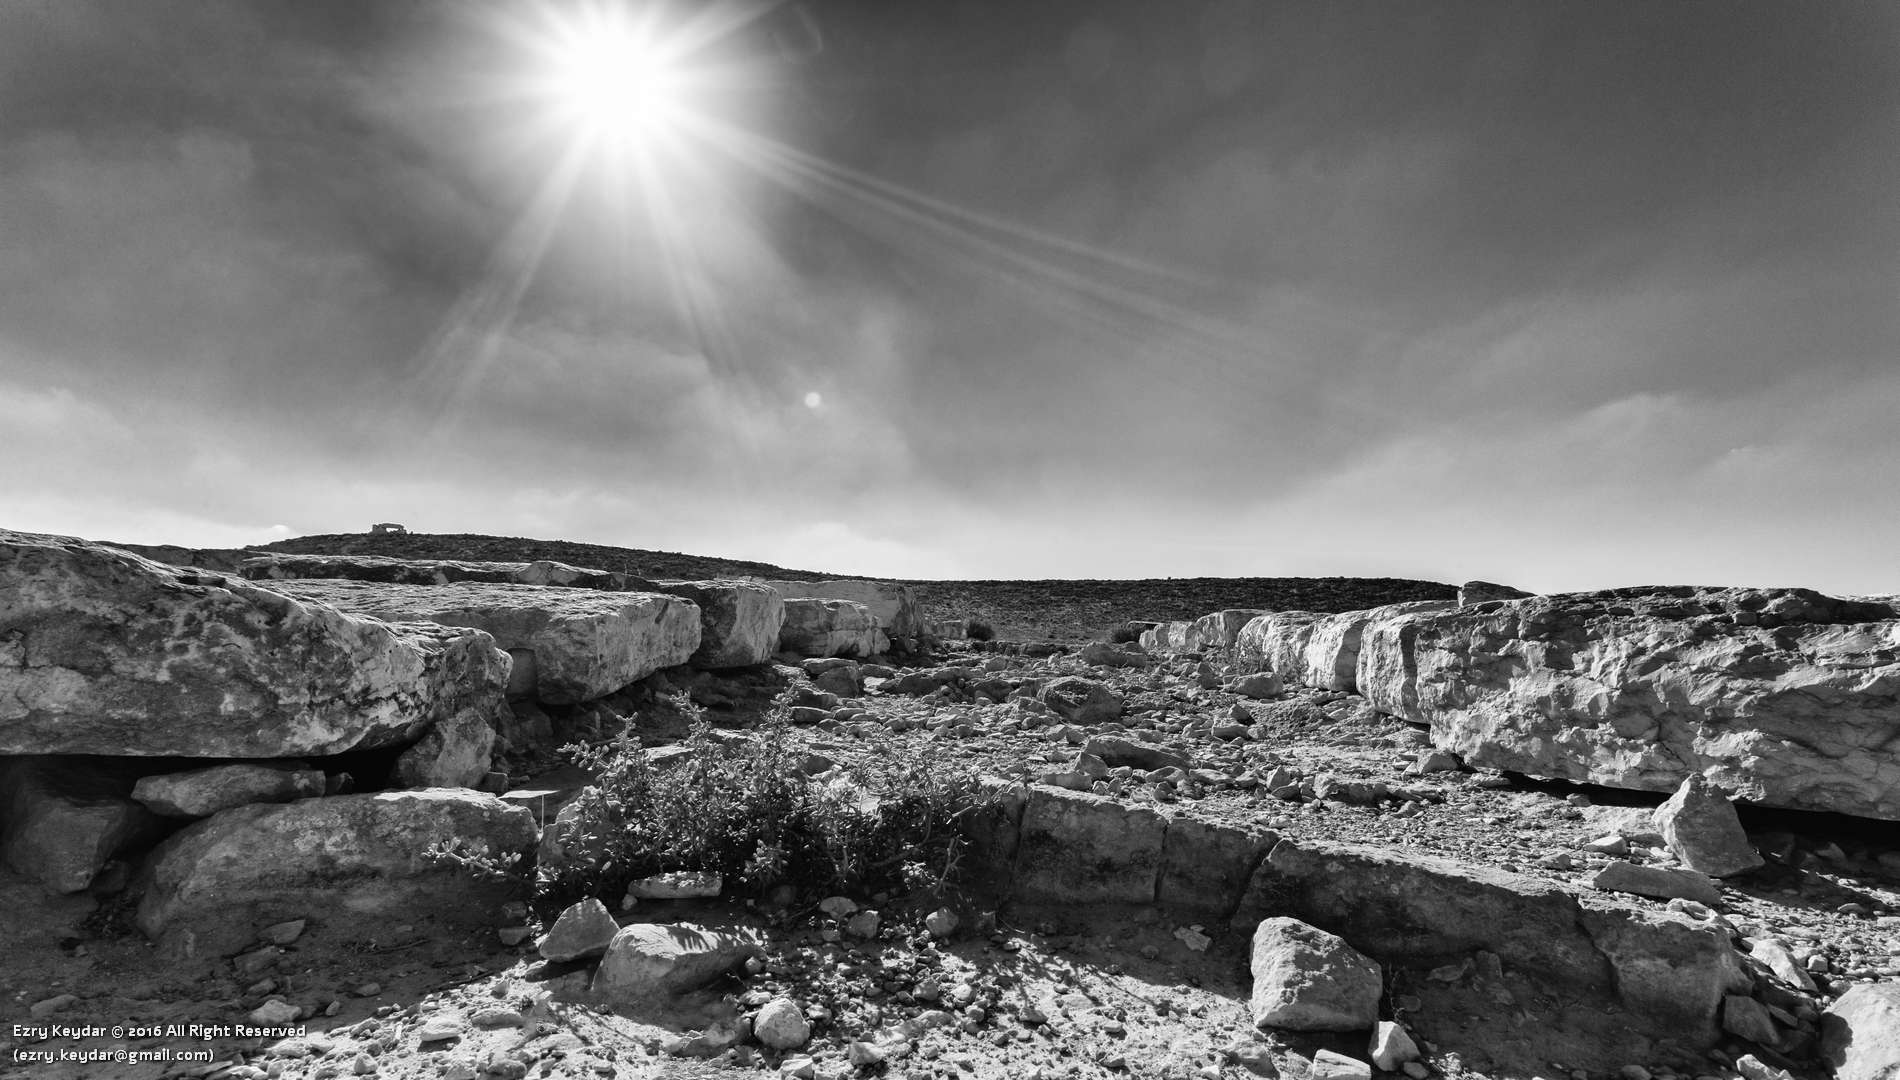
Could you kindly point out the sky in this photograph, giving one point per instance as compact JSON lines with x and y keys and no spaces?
{"x":1566,"y":295}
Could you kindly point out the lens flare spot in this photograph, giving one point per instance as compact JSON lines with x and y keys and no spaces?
{"x":814,"y":399}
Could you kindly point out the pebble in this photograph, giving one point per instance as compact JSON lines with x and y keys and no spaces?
{"x":51,"y":1005}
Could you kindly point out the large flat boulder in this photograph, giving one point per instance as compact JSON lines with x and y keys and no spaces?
{"x":343,"y":856}
{"x":434,"y":571}
{"x":739,"y":621}
{"x":195,"y":793}
{"x":1331,"y":656}
{"x":1784,"y":697}
{"x":111,"y":653}
{"x":1387,"y":674}
{"x":894,"y":605}
{"x":813,"y":627}
{"x":584,"y":643}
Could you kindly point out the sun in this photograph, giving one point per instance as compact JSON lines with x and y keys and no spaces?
{"x":616,"y":78}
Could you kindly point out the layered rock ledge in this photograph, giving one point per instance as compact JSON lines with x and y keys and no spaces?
{"x":105,"y":652}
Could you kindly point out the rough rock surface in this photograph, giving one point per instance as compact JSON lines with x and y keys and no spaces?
{"x":739,"y":621}
{"x":455,"y":752}
{"x":893,"y":605}
{"x":434,"y":571}
{"x":1085,"y":849}
{"x":62,"y":842}
{"x":1860,"y":1033}
{"x":584,"y":929}
{"x":1388,"y":666}
{"x":367,"y":852}
{"x":1784,"y":696}
{"x":202,"y":792}
{"x":1478,"y":592}
{"x":1409,"y":908}
{"x":1167,"y":637}
{"x":1219,"y":630}
{"x":1278,"y":642}
{"x":1332,"y":651}
{"x":586,"y":643}
{"x":1700,"y":826}
{"x":649,"y":960}
{"x":1083,"y":701}
{"x":110,"y":653}
{"x":1305,"y":979}
{"x":816,"y":627}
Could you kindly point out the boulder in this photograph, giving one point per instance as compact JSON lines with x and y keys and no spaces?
{"x":1104,"y":654}
{"x":1700,"y":825}
{"x":1479,"y":592}
{"x":455,"y":752}
{"x":376,"y":568}
{"x":739,"y":621}
{"x":1167,"y":637}
{"x":893,"y":605}
{"x":1115,"y":750}
{"x":1785,"y":697}
{"x":348,"y":855}
{"x":781,"y":1025}
{"x":1278,"y":642}
{"x":1305,"y":979}
{"x":1331,"y":656}
{"x":815,"y":627}
{"x":1081,"y":701}
{"x":1387,"y":675}
{"x":111,"y":653}
{"x":586,"y":643}
{"x":1421,"y":910}
{"x":1259,"y":686}
{"x":62,"y":840}
{"x":1087,"y":849}
{"x":1219,"y":630}
{"x":202,"y":792}
{"x":1860,"y":1033}
{"x":649,"y":961}
{"x":583,"y":931}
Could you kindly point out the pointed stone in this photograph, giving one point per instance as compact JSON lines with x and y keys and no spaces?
{"x":1699,"y":824}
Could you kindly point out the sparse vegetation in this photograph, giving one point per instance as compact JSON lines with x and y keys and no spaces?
{"x":745,"y":807}
{"x":978,"y":630}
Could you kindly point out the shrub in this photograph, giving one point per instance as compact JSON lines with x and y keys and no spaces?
{"x":742,"y":808}
{"x":978,"y":630}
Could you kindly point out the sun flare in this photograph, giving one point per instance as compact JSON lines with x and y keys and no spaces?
{"x":615,"y":78}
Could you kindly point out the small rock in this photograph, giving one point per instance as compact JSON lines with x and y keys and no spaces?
{"x":51,"y":1005}
{"x":1192,"y":937}
{"x":781,"y":1025}
{"x":942,"y":922}
{"x":584,"y":930}
{"x":677,"y":885}
{"x":284,"y":933}
{"x":1701,"y":828}
{"x":864,"y":1055}
{"x":440,"y":1027}
{"x":274,"y":1014}
{"x":1391,"y":1046}
{"x":1328,"y":1065}
{"x":837,"y":906}
{"x":514,"y":935}
{"x":1657,"y":883}
{"x":862,"y":925}
{"x":1860,"y":1033}
{"x":1305,"y":979}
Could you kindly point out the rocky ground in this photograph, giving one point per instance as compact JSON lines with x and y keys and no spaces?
{"x":1015,"y":992}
